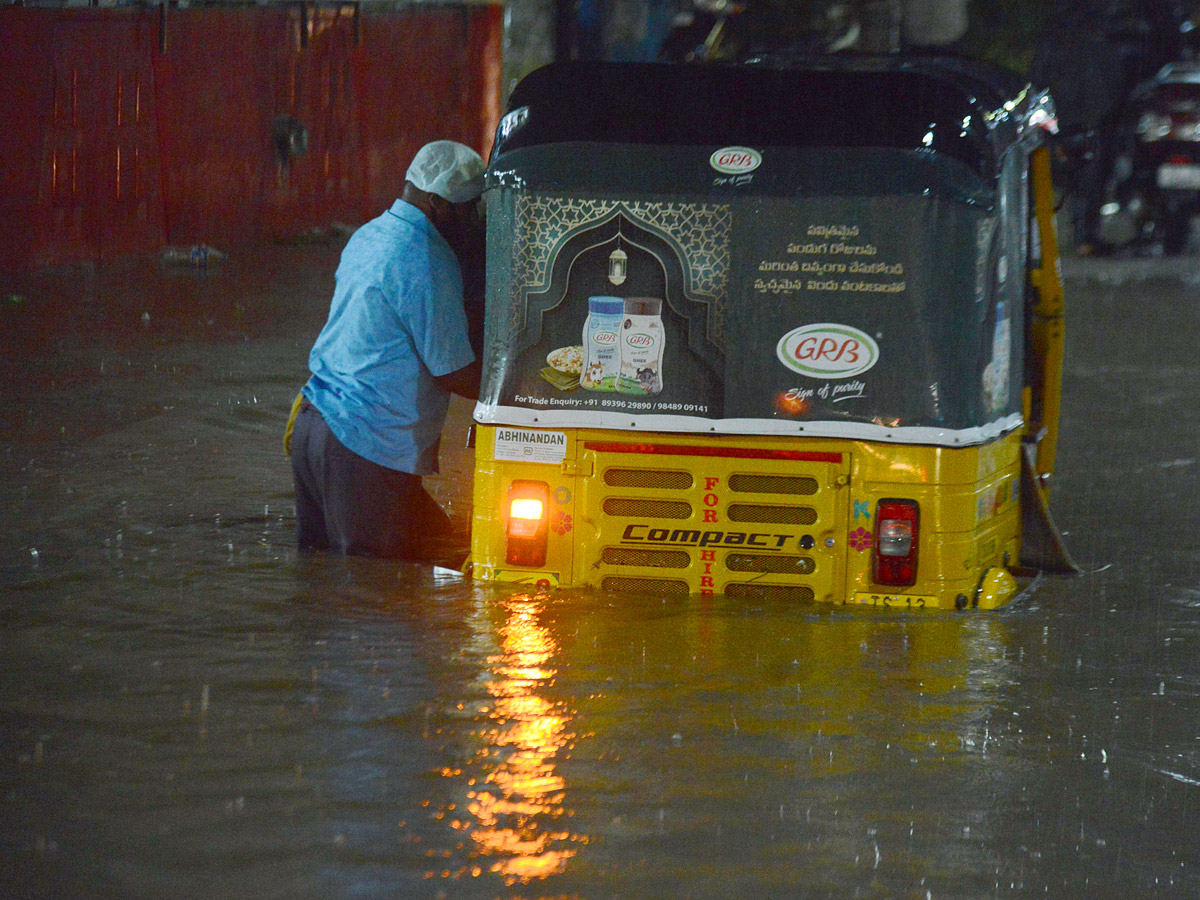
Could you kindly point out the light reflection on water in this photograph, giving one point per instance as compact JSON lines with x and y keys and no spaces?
{"x":518,"y":804}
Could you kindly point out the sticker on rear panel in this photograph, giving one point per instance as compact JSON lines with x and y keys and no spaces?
{"x":527,"y":445}
{"x":735,"y":160}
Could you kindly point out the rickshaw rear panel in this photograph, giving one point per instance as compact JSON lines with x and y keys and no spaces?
{"x":768,"y":519}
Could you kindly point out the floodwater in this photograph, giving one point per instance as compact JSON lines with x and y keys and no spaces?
{"x":190,"y":710}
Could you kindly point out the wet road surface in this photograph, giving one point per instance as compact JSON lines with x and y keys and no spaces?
{"x":190,"y":710}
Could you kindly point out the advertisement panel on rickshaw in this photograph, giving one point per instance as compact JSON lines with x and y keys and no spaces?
{"x":733,"y":306}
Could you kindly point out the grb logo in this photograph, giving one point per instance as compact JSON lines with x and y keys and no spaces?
{"x":639,"y":339}
{"x":827,"y":350}
{"x":735,"y":160}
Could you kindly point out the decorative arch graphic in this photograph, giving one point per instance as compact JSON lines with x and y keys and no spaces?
{"x":578,"y":269}
{"x":698,"y":233}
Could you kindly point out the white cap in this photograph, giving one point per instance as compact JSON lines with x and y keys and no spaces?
{"x":449,"y":169}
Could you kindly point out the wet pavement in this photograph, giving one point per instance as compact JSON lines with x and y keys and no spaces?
{"x":189,"y":709}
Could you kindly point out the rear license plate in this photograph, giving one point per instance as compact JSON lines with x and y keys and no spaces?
{"x":1179,"y":175}
{"x":895,"y":600}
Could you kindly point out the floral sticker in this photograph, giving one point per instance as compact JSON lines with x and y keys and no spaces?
{"x":562,"y":523}
{"x":861,"y":539}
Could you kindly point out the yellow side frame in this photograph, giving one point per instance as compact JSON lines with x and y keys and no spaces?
{"x":1047,"y":324}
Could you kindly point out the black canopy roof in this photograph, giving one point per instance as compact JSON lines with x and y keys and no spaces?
{"x":958,"y":108}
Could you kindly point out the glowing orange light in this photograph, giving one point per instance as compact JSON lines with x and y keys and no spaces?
{"x":526,"y":508}
{"x":790,"y":403}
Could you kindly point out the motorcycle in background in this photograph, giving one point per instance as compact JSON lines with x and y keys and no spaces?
{"x":1155,"y":192}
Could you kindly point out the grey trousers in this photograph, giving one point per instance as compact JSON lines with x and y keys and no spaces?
{"x":350,"y":505}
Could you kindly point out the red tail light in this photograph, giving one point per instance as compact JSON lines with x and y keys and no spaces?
{"x":527,"y":523}
{"x":897,"y":533}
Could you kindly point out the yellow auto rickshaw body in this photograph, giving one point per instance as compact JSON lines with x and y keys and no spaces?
{"x":796,"y":500}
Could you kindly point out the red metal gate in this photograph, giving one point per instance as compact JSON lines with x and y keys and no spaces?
{"x":98,"y":188}
{"x":127,"y":131}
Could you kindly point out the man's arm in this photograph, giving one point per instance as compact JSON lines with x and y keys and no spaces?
{"x":464,"y":381}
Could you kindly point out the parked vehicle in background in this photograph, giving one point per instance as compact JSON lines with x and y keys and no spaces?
{"x":1156,"y":192}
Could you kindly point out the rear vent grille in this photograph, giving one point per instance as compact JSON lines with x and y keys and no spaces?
{"x":775,"y":515}
{"x":644,"y":585}
{"x":776,"y":565}
{"x":648,"y":478}
{"x":773,"y":484}
{"x":661,"y":559}
{"x":770,"y":592}
{"x":647,"y":509}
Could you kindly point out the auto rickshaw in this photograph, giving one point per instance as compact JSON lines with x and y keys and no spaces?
{"x":773,"y":330}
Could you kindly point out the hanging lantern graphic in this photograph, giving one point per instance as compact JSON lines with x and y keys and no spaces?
{"x":618,"y":262}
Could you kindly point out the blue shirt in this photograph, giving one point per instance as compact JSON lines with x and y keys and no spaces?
{"x":396,"y":320}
